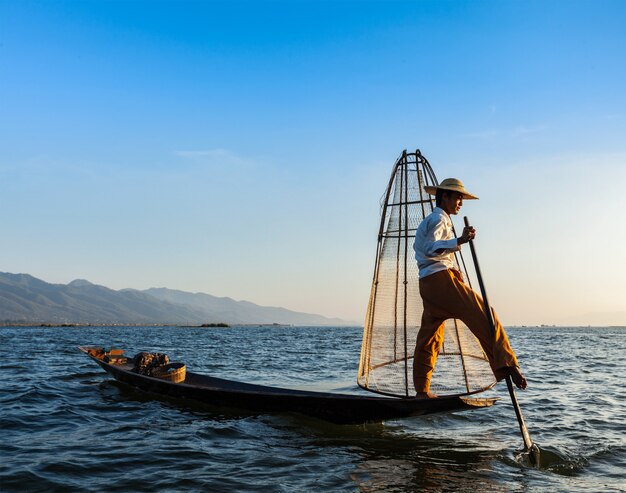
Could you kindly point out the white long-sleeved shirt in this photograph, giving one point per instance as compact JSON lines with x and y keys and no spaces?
{"x":435,"y":233}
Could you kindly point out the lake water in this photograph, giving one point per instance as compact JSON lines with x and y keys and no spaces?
{"x":68,"y":426}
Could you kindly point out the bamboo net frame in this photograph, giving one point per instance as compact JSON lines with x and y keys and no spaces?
{"x":395,"y":307}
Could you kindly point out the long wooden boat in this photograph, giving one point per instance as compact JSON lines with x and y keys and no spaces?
{"x":333,"y":407}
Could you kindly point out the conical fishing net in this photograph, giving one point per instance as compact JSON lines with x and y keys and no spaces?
{"x":395,"y":307}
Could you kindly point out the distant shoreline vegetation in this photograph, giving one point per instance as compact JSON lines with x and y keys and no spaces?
{"x":9,"y":323}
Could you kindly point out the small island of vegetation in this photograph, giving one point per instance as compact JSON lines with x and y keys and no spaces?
{"x":219,"y":324}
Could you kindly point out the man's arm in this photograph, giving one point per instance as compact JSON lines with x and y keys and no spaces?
{"x":440,"y":246}
{"x":439,"y":239}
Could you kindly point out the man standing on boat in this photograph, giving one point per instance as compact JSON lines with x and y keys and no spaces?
{"x":445,"y":295}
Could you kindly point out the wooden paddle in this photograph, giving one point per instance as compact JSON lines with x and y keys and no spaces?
{"x":529,"y":446}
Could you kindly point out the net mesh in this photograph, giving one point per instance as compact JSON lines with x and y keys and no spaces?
{"x":395,"y":307}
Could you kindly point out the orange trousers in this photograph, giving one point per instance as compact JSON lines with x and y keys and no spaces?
{"x":446,"y":296}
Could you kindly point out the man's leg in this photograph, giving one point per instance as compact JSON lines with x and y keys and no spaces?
{"x":430,"y":336}
{"x":427,"y":346}
{"x":469,"y":307}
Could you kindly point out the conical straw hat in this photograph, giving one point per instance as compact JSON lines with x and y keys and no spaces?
{"x":451,"y":184}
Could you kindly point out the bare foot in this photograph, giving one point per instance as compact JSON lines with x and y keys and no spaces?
{"x":425,"y":395}
{"x":518,"y":378}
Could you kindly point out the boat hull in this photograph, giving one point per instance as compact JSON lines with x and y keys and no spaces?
{"x":333,"y":407}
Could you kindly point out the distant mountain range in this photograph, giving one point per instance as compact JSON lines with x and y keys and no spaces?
{"x":26,"y":299}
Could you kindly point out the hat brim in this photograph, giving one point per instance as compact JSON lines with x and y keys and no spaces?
{"x":432,"y":190}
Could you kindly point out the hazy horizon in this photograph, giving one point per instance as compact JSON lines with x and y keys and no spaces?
{"x":241,"y":149}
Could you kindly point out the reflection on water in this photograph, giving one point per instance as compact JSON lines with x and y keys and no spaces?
{"x":407,"y":464}
{"x":68,"y":426}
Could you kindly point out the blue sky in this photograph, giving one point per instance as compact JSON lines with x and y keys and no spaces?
{"x":241,"y":148}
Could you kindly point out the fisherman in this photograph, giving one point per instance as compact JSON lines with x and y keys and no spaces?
{"x":445,"y":295}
